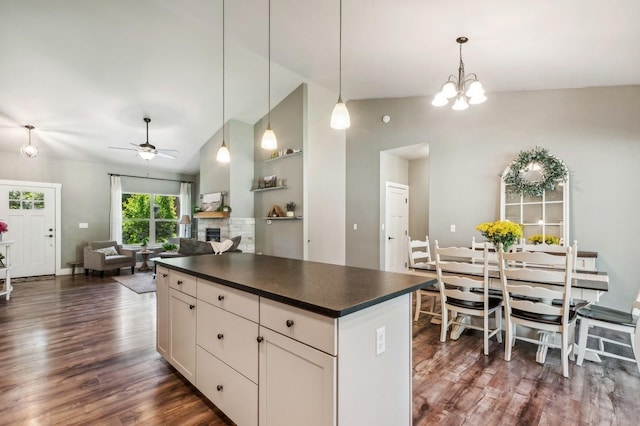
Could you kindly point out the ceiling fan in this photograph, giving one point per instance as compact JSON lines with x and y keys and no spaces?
{"x":148,"y":151}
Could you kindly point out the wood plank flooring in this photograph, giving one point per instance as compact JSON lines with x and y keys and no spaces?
{"x":81,"y":350}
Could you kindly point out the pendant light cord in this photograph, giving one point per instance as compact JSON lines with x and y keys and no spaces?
{"x":269,"y":54}
{"x":222,"y":71}
{"x":340,"y":59}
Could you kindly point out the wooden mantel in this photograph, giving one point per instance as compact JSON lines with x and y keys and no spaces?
{"x":211,"y":215}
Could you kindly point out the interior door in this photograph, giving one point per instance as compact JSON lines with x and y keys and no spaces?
{"x":397,"y":224}
{"x":30,"y":213}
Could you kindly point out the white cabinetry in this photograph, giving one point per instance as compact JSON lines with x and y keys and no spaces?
{"x":162,"y":311}
{"x":182,"y":323}
{"x":227,"y":350}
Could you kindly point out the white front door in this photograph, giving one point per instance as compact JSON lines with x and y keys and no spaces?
{"x":30,"y":213}
{"x":397,"y":224}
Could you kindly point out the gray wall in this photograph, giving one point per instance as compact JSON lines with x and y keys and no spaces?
{"x":235,"y":177}
{"x":85,"y":193}
{"x":285,"y":237}
{"x":419,"y":198}
{"x":596,"y":132}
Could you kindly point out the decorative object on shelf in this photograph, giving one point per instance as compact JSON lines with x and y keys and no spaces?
{"x":546,"y":239}
{"x":27,"y":149}
{"x":291,"y":208}
{"x":535,"y":171}
{"x":466,"y":90}
{"x":3,"y":228}
{"x":275,"y":211}
{"x":269,"y":140}
{"x":223,"y":153}
{"x":261,"y":183}
{"x":270,"y":181}
{"x":148,"y":151}
{"x":340,"y":115}
{"x":502,"y":232}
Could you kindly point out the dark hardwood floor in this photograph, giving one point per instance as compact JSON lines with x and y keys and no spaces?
{"x":81,"y":350}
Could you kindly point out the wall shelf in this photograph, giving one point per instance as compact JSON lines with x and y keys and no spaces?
{"x":283,"y":218}
{"x":211,"y":215}
{"x":269,"y":189}
{"x":280,"y":157}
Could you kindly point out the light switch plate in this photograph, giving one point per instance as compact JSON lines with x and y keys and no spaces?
{"x":83,"y":225}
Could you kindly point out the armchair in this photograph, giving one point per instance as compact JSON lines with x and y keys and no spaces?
{"x":107,"y":255}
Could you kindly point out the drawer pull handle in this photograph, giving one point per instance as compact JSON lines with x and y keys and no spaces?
{"x":289,"y":323}
{"x":179,"y":282}
{"x":221,"y":298}
{"x":164,"y":275}
{"x":220,"y":336}
{"x":219,"y":387}
{"x":192,"y":306}
{"x":260,"y":339}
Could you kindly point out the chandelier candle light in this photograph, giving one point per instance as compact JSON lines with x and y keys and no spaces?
{"x":466,"y":89}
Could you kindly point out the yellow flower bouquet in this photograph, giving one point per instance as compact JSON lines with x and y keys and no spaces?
{"x":548,"y":239}
{"x":502,"y":232}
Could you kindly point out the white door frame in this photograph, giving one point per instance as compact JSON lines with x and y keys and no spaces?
{"x":58,"y":210}
{"x":387,"y":218}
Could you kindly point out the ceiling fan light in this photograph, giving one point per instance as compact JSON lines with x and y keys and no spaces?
{"x":340,"y":119}
{"x":478,"y":99}
{"x":29,"y":150}
{"x":439,"y":100}
{"x":475,"y":89}
{"x":224,"y":156}
{"x":269,"y":140}
{"x":460,"y":104}
{"x":147,"y":155}
{"x":449,"y":90}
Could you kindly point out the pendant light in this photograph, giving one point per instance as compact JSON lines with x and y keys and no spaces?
{"x":27,"y":149}
{"x":340,"y":115}
{"x":223,"y":153}
{"x":269,"y":140}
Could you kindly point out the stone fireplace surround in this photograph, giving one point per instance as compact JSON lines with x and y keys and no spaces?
{"x":229,"y":228}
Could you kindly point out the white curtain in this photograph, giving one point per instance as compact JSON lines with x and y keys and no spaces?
{"x":185,"y":206}
{"x":116,"y":209}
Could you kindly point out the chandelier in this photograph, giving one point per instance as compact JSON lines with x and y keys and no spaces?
{"x":29,"y":150}
{"x":466,"y":89}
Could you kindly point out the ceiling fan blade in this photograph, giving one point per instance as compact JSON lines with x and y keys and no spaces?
{"x":165,"y":154}
{"x":137,"y":145}
{"x":117,"y":147}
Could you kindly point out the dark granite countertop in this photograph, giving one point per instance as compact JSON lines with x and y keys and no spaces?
{"x":327,"y":289}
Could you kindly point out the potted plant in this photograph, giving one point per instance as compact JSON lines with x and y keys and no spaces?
{"x":291,"y":208}
{"x":143,"y":243}
{"x":169,"y":247}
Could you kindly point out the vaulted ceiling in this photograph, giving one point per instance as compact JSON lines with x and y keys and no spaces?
{"x":86,"y":72}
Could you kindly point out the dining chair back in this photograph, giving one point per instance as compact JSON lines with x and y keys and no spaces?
{"x":552,"y":248}
{"x":538,"y":299}
{"x":492,"y":253}
{"x":610,"y":319}
{"x":419,"y":256}
{"x":464,"y":290}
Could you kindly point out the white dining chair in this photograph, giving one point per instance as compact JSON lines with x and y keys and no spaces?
{"x":492,"y":254}
{"x":538,"y":299}
{"x":552,"y":248}
{"x":610,"y":319}
{"x":464,"y":290}
{"x":420,"y":256}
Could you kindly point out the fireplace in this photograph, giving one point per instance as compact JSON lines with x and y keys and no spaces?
{"x":212,"y":234}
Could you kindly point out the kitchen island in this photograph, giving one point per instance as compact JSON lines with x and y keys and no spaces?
{"x":276,"y":341}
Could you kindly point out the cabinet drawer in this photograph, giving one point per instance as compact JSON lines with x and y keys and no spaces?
{"x":229,"y":337}
{"x":182,"y":282}
{"x":230,"y":299}
{"x":313,"y":329}
{"x":237,"y":396}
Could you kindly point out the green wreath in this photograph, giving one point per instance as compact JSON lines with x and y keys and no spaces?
{"x":549,"y":167}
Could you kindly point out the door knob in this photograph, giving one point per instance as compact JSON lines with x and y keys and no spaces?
{"x":391,"y":238}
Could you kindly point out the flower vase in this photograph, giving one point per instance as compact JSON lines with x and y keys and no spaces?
{"x":1,"y":236}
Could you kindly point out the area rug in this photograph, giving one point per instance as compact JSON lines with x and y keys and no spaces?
{"x":139,"y":282}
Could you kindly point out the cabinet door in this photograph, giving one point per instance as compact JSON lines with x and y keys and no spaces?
{"x":162,"y":312}
{"x":297,"y":383}
{"x":182,"y":333}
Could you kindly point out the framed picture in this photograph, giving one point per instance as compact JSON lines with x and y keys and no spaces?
{"x":270,"y":181}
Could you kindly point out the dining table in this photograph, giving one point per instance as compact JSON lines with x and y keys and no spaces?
{"x":586,"y":286}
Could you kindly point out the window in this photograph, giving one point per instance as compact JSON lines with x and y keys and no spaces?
{"x":150,"y":216}
{"x":26,"y":200}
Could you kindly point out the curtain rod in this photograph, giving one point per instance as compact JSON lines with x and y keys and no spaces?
{"x":146,"y":177}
